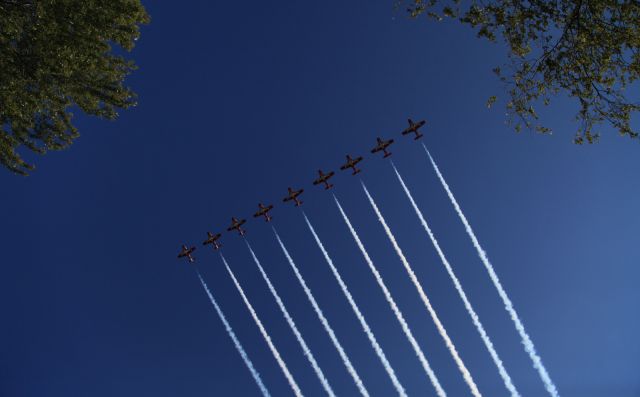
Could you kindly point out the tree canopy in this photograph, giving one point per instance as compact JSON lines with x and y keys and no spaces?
{"x":56,"y":55}
{"x":585,"y":49}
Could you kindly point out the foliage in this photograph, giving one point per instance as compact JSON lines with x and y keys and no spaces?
{"x":585,"y":49}
{"x":56,"y":54}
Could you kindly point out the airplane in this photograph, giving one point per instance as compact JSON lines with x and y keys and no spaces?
{"x":413,"y":129}
{"x":351,"y":163}
{"x":324,"y":178}
{"x":235,"y":225}
{"x":186,"y":253}
{"x":382,"y":145}
{"x":213,"y":240}
{"x":264,"y":211}
{"x":293,"y":195}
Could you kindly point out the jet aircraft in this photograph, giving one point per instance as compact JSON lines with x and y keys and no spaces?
{"x":382,"y":145}
{"x":213,"y":240}
{"x":293,"y":195}
{"x":324,"y":178}
{"x":235,"y":225}
{"x":413,"y":129}
{"x":264,"y":211}
{"x":351,"y":163}
{"x":186,"y":252}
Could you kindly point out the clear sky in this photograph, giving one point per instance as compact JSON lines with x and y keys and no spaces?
{"x":239,"y":100}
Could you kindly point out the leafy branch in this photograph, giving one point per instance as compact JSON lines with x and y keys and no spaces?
{"x":585,"y":49}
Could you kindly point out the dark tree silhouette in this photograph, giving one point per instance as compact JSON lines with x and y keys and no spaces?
{"x":585,"y":49}
{"x":57,"y":54}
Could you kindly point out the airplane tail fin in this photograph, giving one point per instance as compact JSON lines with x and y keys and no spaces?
{"x":387,"y":155}
{"x":418,"y":136}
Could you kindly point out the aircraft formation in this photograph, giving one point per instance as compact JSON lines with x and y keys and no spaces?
{"x":293,"y":195}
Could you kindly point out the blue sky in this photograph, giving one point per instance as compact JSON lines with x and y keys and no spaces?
{"x":239,"y":101}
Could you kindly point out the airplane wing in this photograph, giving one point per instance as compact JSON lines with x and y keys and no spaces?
{"x":376,"y":149}
{"x":344,"y":167}
{"x":293,"y":194}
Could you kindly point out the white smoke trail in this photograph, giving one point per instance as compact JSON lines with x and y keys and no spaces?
{"x":263,"y":331}
{"x":405,"y":327}
{"x":526,"y":340}
{"x":456,"y":357}
{"x":234,"y":338}
{"x":356,"y":310}
{"x":476,"y":320}
{"x":294,"y":328}
{"x":324,"y":321}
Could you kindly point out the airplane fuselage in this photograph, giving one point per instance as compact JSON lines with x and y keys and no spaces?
{"x":327,"y":185}
{"x":382,"y":147}
{"x":351,"y":163}
{"x":186,"y":253}
{"x":324,"y":178}
{"x":235,"y":225}
{"x":265,"y":213}
{"x":213,"y":240}
{"x":413,"y":129}
{"x":293,"y":196}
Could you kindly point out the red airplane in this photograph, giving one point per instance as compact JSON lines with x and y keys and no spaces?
{"x":324,"y":178}
{"x":213,"y":240}
{"x":351,"y":163}
{"x":186,"y":253}
{"x":235,"y":225}
{"x":293,"y":195}
{"x":382,"y":145}
{"x":264,"y":211}
{"x":413,"y":128}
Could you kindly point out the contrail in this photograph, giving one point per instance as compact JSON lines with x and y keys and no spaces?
{"x":405,"y":327}
{"x":234,"y":338}
{"x":526,"y":340}
{"x":465,"y":372}
{"x":294,"y":328}
{"x":363,"y":322}
{"x":476,"y":320}
{"x":267,"y":338}
{"x":324,"y":321}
